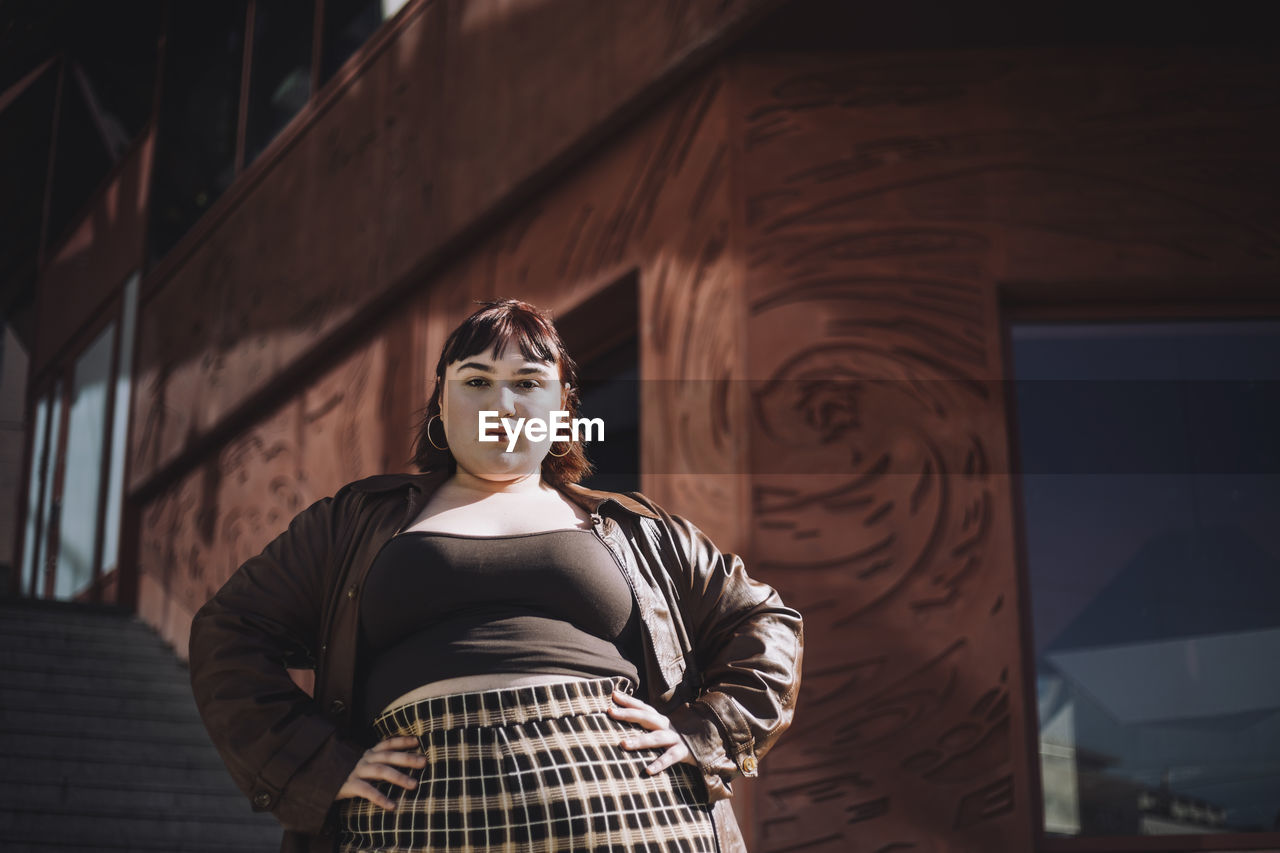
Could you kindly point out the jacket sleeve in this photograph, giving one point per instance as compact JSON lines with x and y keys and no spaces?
{"x":279,"y":748}
{"x":748,"y":646}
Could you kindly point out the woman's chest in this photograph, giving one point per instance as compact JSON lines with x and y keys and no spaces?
{"x":498,"y":515}
{"x":422,"y":579}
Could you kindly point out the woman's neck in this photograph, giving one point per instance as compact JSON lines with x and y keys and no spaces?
{"x":527,"y":484}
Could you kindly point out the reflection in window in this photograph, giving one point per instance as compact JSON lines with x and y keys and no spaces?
{"x":280,"y":75}
{"x":1151,"y":485}
{"x":86,"y":430}
{"x":119,"y":429}
{"x":54,"y":404}
{"x":36,"y":482}
{"x":107,"y":97}
{"x":85,"y":151}
{"x":347,"y":25}
{"x":199,"y":112}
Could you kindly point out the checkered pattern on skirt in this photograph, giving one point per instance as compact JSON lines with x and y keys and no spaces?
{"x":533,"y":769}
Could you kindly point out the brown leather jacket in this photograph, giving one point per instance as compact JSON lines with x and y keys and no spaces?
{"x":722,"y":652}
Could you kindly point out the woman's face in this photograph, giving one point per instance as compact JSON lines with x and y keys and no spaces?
{"x":512,"y":386}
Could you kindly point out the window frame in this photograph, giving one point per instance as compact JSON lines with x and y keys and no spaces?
{"x":59,"y":375}
{"x":246,"y":175}
{"x":1012,"y":309}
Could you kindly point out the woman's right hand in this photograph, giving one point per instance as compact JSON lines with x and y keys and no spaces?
{"x":376,"y":763}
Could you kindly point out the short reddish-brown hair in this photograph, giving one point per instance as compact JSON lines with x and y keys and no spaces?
{"x":501,"y":322}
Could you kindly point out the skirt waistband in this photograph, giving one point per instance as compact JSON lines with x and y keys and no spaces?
{"x":501,"y":707}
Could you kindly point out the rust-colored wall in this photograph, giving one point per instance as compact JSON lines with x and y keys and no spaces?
{"x":890,"y":202}
{"x":468,"y":102}
{"x":199,"y":530}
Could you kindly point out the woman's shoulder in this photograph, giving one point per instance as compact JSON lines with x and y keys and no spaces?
{"x":391,"y":482}
{"x":364,"y":495}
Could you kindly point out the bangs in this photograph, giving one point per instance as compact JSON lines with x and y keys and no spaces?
{"x":501,"y":328}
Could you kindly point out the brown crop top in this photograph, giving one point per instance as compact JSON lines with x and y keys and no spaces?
{"x":441,"y":605}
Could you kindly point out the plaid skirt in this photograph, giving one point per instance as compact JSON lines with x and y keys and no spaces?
{"x":533,"y":769}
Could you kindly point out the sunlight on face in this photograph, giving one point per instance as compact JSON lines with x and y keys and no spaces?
{"x":513,"y":386}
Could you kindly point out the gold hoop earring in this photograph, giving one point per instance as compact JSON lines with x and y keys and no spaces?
{"x":558,"y":455}
{"x":432,"y":440}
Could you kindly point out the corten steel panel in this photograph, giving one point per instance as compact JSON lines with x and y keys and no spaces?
{"x":96,"y":257}
{"x":198,"y":530}
{"x":468,"y":102}
{"x":889,"y":201}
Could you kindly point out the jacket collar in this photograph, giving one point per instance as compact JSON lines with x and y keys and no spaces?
{"x":589,"y":499}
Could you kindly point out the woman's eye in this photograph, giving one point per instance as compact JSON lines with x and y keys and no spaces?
{"x":477,"y":382}
{"x":529,"y":383}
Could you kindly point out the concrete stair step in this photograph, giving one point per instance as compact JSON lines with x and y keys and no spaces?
{"x":83,"y":702}
{"x":42,"y":846}
{"x":102,"y":747}
{"x":123,"y":795}
{"x":202,"y":771}
{"x":146,"y":749}
{"x":59,"y":681}
{"x":138,"y":724}
{"x":70,"y":616}
{"x":106,"y":646}
{"x":96,"y":662}
{"x":73,"y":624}
{"x":139,"y":827}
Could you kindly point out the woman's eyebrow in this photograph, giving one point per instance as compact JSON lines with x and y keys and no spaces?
{"x":489,"y":367}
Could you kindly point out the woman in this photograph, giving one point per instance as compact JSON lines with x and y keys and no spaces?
{"x":532,"y":665}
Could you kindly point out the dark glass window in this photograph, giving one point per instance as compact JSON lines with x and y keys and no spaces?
{"x":611,"y":392}
{"x":198,"y":127}
{"x":602,"y":337}
{"x":83,"y":153}
{"x":199,"y":113}
{"x":24,"y":163}
{"x":105,"y":56}
{"x":114,"y":46}
{"x":347,"y":25}
{"x":1150,"y":456}
{"x":107,"y":93}
{"x":280,"y":76}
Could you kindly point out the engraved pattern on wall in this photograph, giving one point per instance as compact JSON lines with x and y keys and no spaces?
{"x":197,"y":532}
{"x":874,"y":422}
{"x":884,"y":198}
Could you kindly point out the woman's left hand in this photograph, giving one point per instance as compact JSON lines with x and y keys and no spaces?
{"x":659,"y":734}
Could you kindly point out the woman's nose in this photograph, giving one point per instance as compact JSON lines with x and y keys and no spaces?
{"x":506,"y":400}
